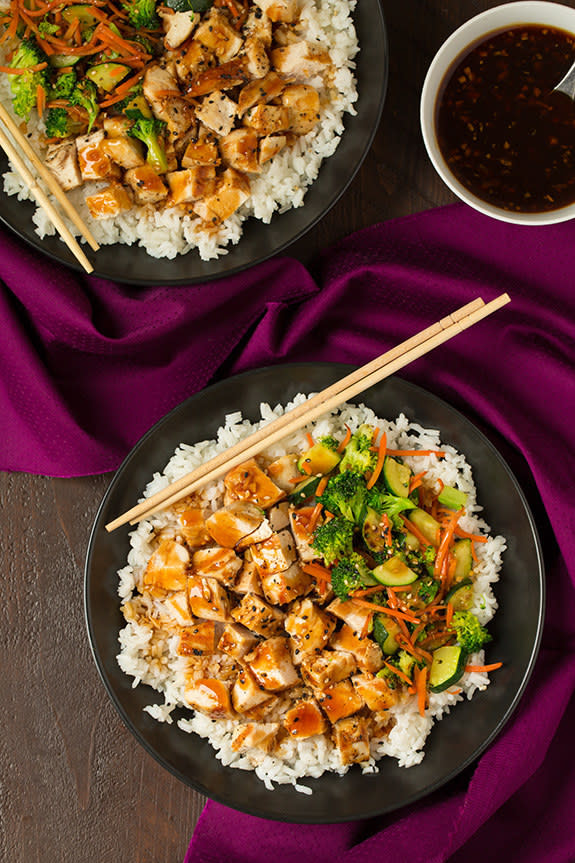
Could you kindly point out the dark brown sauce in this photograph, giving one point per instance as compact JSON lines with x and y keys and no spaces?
{"x":504,"y":134}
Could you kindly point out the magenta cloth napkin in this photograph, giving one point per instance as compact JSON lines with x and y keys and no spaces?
{"x":88,"y":366}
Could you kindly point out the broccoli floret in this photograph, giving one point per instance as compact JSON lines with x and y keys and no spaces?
{"x":149,"y":130}
{"x":48,"y":27}
{"x":85,"y":96}
{"x":64,"y":85}
{"x":25,"y":86}
{"x":334,"y":539}
{"x":329,"y":442}
{"x":358,"y":455}
{"x":427,"y":589}
{"x":345,"y":495}
{"x":142,"y":13}
{"x":471,"y":635}
{"x":349,"y":574}
{"x":57,"y":123}
{"x":390,"y":504}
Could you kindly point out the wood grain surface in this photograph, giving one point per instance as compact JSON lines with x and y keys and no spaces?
{"x":75,"y":786}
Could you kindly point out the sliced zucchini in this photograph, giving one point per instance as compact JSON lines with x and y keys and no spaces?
{"x":394,"y":573}
{"x":320,"y":459}
{"x":461,"y":595}
{"x":463,"y":559}
{"x":411,"y":542}
{"x":396,"y":476}
{"x":452,"y":498}
{"x":81,"y":11}
{"x":106,"y":76}
{"x":447,"y":667}
{"x":426,"y":525}
{"x":384,"y":632}
{"x":139,"y":103}
{"x":304,"y":490}
{"x":60,"y":61}
{"x":373,"y":532}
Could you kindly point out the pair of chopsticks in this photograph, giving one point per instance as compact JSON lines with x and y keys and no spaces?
{"x":324,"y":401}
{"x":51,"y":182}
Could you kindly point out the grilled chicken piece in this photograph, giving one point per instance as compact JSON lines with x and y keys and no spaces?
{"x":284,"y":471}
{"x":259,"y":25}
{"x":270,"y":146}
{"x":279,"y":10}
{"x":204,"y":152}
{"x":304,"y":719}
{"x":357,"y":617}
{"x":374,"y":691}
{"x":168,"y":567}
{"x":232,"y":191}
{"x":178,"y":26}
{"x":147,"y":185}
{"x":228,"y":525}
{"x":278,"y":516}
{"x":236,"y":640}
{"x":326,"y":668}
{"x":195,"y":59}
{"x":116,"y":127}
{"x":246,"y":694}
{"x":271,"y":664}
{"x":197,"y":639}
{"x":263,"y":532}
{"x":226,"y":76}
{"x":302,"y":102}
{"x":177,"y":607}
{"x":217,"y":111}
{"x":172,"y":109}
{"x":192,"y":527}
{"x":281,"y":587}
{"x":125,"y":152}
{"x":257,"y":60}
{"x":109,"y":202}
{"x":352,"y":739}
{"x":339,"y":700}
{"x":62,"y":159}
{"x":223,"y":564}
{"x":217,"y":34}
{"x":248,"y":482}
{"x":239,"y":150}
{"x":248,"y":581}
{"x":94,"y":162}
{"x":209,"y":696}
{"x":299,"y":523}
{"x":208,"y":599}
{"x":267,"y":119}
{"x":261,"y":618}
{"x":366,"y":652}
{"x":191,"y":184}
{"x":276,"y":554}
{"x":310,"y":628}
{"x":255,"y":735}
{"x":300,"y":61}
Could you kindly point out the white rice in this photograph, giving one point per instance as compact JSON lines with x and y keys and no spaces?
{"x":310,"y":757}
{"x":282,"y":183}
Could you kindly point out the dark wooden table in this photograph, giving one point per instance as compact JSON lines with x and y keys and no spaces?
{"x":75,"y":786}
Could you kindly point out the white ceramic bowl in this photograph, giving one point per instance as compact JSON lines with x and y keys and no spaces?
{"x":469,"y":34}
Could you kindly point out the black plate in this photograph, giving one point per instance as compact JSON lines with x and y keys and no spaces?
{"x":458,"y":739}
{"x":133,"y":265}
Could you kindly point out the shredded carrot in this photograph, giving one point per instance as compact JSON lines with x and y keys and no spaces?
{"x":473,"y":552}
{"x":306,"y":468}
{"x":449,"y":614}
{"x":381,"y":450}
{"x":318,"y":571}
{"x":386,"y":530}
{"x":416,"y":481}
{"x":445,"y":543}
{"x":374,"y":436}
{"x":420,"y":677}
{"x":322,"y":485}
{"x":437,"y":452}
{"x":393,"y":612}
{"x":345,"y":440}
{"x":476,"y":537}
{"x":315,"y":517}
{"x":493,"y":667}
{"x":40,"y":99}
{"x":8,"y":70}
{"x":399,"y":672}
{"x":308,"y":436}
{"x":414,"y":530}
{"x":366,"y":591}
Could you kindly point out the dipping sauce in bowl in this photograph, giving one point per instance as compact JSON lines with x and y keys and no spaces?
{"x":502,"y":131}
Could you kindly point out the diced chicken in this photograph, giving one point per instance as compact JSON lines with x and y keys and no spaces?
{"x":209,"y":696}
{"x":159,"y":85}
{"x":284,"y":471}
{"x":254,"y":735}
{"x":232,"y":191}
{"x":248,"y":581}
{"x":248,"y":482}
{"x":339,"y":700}
{"x":217,"y":34}
{"x":195,"y":59}
{"x":282,"y":587}
{"x":239,"y":150}
{"x":192,"y":527}
{"x":191,"y":183}
{"x":260,"y":534}
{"x":310,"y":628}
{"x":177,"y":607}
{"x":300,"y":61}
{"x":351,"y":736}
{"x":226,"y":76}
{"x":279,"y":10}
{"x":236,"y":640}
{"x":197,"y":639}
{"x":223,"y":564}
{"x":374,"y":691}
{"x":168,"y":567}
{"x":259,"y":25}
{"x":276,"y":554}
{"x":304,"y":719}
{"x":299,"y":523}
{"x":302,"y":102}
{"x":178,"y":26}
{"x":246,"y":694}
{"x":271,"y":664}
{"x":62,"y":160}
{"x":261,"y":618}
{"x":258,"y":63}
{"x":217,"y":111}
{"x":357,"y":617}
{"x":278,"y":516}
{"x":116,"y":127}
{"x":204,"y":152}
{"x":366,"y":652}
{"x":267,"y":119}
{"x":326,"y":668}
{"x":228,"y":525}
{"x":147,"y":185}
{"x":208,"y":599}
{"x":109,"y":202}
{"x":94,"y":162}
{"x":125,"y":152}
{"x":270,"y":146}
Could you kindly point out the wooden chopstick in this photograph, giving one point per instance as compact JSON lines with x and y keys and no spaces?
{"x":41,"y":197}
{"x":328,"y":399}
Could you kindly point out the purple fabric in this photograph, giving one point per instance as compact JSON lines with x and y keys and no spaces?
{"x":88,"y":366}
